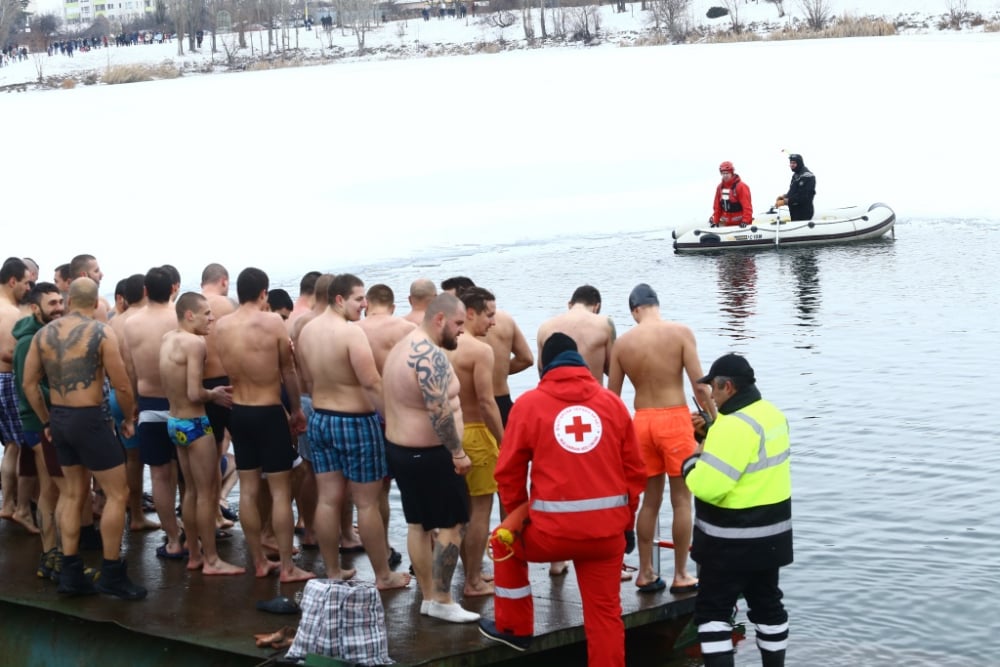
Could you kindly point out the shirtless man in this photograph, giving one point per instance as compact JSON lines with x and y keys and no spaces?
{"x":215,"y":289}
{"x":135,"y":299}
{"x":424,"y":447}
{"x":141,"y":351}
{"x":307,"y":297}
{"x":182,"y":362}
{"x":422,"y":292}
{"x":473,"y":364}
{"x":655,"y":355}
{"x":593,"y":333}
{"x":257,"y":356}
{"x":86,"y":266}
{"x":14,"y":285}
{"x":306,"y":497}
{"x":75,"y":352}
{"x":345,"y":433}
{"x":511,"y":352}
{"x":384,"y":330}
{"x":62,"y":278}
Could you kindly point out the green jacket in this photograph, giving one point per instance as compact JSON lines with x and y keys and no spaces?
{"x":24,"y":331}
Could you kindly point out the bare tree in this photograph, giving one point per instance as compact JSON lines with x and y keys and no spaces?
{"x":528,"y":21}
{"x":733,"y":7}
{"x":10,"y":15}
{"x":957,"y":11}
{"x":671,"y":16}
{"x":358,"y":16}
{"x":585,"y":22}
{"x":780,"y":6}
{"x":817,"y":13}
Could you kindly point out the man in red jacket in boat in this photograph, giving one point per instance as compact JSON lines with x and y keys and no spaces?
{"x":732,"y":205}
{"x":586,"y":477}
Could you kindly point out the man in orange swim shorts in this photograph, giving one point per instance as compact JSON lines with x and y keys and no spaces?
{"x":655,"y":355}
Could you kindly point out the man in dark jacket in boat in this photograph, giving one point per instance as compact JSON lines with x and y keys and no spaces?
{"x":801,"y":190}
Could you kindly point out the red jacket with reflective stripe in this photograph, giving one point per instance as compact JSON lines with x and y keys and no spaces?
{"x":579,"y":439}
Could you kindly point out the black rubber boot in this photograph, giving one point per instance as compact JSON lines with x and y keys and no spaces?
{"x":727,"y":659}
{"x":90,"y":538}
{"x":72,"y":580}
{"x":114,"y":581}
{"x":772,"y":658}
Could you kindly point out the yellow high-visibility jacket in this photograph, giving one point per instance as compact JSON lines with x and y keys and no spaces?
{"x":743,"y":487}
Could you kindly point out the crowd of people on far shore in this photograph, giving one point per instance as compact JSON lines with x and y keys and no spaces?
{"x":322,"y":402}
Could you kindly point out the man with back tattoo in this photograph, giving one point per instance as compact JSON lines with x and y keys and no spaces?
{"x":423,"y":438}
{"x":74,"y":352}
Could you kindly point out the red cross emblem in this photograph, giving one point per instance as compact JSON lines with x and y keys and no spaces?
{"x":577,"y":429}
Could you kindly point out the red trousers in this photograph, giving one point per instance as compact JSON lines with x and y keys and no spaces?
{"x":597,"y":563}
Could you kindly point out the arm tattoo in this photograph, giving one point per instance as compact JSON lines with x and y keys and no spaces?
{"x":433,"y":377}
{"x":74,"y":362}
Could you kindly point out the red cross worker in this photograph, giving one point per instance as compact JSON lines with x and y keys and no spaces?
{"x":586,"y":477}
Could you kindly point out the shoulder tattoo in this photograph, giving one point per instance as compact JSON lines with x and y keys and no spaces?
{"x":74,"y":362}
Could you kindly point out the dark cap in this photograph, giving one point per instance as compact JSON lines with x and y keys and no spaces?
{"x":795,"y":157}
{"x":556,"y":344}
{"x":729,"y":365}
{"x":642,"y":295}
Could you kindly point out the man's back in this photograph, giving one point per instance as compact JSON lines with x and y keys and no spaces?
{"x":143,"y":336}
{"x":72,"y":352}
{"x":506,"y":339}
{"x":326,"y":350}
{"x":221,"y":306}
{"x":384,"y":331}
{"x":251,"y":344}
{"x":654,"y":356}
{"x":409,"y":419}
{"x":594,"y":335}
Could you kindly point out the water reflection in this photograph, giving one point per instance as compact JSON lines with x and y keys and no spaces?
{"x":737,"y":291}
{"x":805,"y":267}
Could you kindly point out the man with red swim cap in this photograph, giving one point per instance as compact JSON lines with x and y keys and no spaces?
{"x":586,"y":477}
{"x":732,"y":205}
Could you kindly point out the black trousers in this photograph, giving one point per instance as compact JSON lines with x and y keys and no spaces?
{"x":718,"y":589}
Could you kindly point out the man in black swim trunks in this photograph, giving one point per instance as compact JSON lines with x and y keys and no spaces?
{"x":74,"y":352}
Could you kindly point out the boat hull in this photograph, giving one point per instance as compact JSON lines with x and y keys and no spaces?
{"x":775,"y":230}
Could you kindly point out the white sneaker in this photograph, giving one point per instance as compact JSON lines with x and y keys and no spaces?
{"x":453,"y":613}
{"x":425,"y":606}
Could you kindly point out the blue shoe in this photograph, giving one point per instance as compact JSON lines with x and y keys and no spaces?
{"x":488,"y":629}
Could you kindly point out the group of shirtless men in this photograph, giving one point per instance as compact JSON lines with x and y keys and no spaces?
{"x":361,"y":394}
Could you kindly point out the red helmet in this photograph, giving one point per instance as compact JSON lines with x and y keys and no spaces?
{"x":727,"y":166}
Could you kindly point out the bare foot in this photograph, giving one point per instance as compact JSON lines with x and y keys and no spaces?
{"x":221,"y":567}
{"x":272,"y":547}
{"x":347,"y":574}
{"x":195,"y":562}
{"x":481,"y":589}
{"x":223,"y":523}
{"x":295,"y":574}
{"x":628,"y":571}
{"x":6,"y":515}
{"x":394,"y":580}
{"x":143,"y":524}
{"x":27,"y":522}
{"x":558,"y":568}
{"x":267,"y":567}
{"x":683,"y":582}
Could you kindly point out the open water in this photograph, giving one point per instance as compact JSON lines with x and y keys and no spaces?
{"x":881,"y":355}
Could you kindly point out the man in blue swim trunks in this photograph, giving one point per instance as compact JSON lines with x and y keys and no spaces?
{"x":344,"y":432}
{"x":182,"y":363}
{"x":144,"y":332}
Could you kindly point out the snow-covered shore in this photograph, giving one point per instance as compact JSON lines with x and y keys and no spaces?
{"x":472,"y":35}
